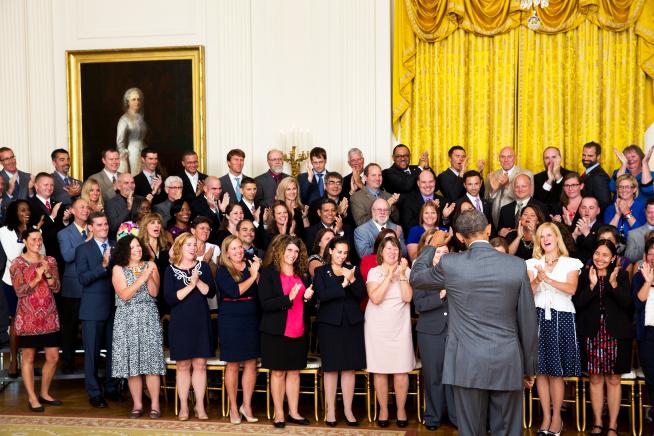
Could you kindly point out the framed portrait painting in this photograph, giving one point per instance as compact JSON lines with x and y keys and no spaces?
{"x":135,"y":98}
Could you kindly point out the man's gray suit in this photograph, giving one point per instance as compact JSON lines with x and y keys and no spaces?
{"x":60,"y":195}
{"x":432,"y":334}
{"x":266,"y":188}
{"x":106,"y":185}
{"x":365,"y":235}
{"x":636,"y":243}
{"x":492,"y":338}
{"x":23,"y":184}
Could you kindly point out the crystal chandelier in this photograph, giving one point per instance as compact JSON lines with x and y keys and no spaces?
{"x":534,"y":22}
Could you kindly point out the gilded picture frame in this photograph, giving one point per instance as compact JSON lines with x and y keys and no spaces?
{"x":171,"y":80}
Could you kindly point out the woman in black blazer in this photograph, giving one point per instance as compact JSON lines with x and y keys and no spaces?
{"x":340,"y":288}
{"x":283,"y":295}
{"x":604,"y":322}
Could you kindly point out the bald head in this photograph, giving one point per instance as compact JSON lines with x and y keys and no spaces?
{"x":507,"y":158}
{"x":125,"y":184}
{"x":522,"y":186}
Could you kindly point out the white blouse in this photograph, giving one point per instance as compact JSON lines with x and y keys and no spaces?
{"x":547,"y":297}
{"x":13,"y":248}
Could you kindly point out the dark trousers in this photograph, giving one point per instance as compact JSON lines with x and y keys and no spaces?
{"x":437,"y":395}
{"x":4,"y":318}
{"x":69,"y":328}
{"x":472,"y":406}
{"x":646,"y":352}
{"x":95,"y":334}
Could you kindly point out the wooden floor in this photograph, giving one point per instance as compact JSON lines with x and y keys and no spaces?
{"x":70,"y":389}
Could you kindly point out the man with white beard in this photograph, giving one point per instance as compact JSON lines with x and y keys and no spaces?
{"x":268,"y":181}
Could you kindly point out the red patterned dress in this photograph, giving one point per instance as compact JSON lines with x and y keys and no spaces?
{"x":36,"y":314}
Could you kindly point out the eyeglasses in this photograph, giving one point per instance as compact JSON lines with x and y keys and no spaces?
{"x":401,"y":156}
{"x":572,"y":185}
{"x":625,"y":188}
{"x":8,"y":158}
{"x":174,"y":187}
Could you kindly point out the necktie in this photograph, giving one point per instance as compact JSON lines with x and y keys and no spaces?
{"x":151,"y":179}
{"x":66,"y":181}
{"x":430,"y":198}
{"x":104,"y":247}
{"x":321,"y":187}
{"x":16,"y":190}
{"x":113,"y":179}
{"x":84,"y":234}
{"x":48,"y":207}
{"x":407,"y":171}
{"x":237,"y":191}
{"x":518,"y":209}
{"x":478,"y":204}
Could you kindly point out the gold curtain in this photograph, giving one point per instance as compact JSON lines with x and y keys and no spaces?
{"x":580,"y":78}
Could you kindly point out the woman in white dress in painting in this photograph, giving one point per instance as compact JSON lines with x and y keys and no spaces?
{"x":131,"y":131}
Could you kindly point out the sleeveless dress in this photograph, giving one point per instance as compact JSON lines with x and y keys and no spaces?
{"x":137,"y":341}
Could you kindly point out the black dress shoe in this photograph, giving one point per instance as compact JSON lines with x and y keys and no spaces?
{"x":383,"y":423}
{"x":354,"y":423}
{"x":36,"y":409}
{"x":331,"y":423}
{"x":50,"y":402}
{"x":431,"y":427}
{"x":98,"y":402}
{"x":279,"y":424}
{"x":301,"y":421}
{"x":402,"y":423}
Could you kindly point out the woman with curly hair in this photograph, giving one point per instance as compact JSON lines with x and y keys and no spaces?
{"x":283,"y":294}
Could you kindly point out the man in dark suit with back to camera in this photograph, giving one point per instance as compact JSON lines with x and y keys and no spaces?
{"x":92,"y":262}
{"x":491,"y":308}
{"x":268,"y":181}
{"x":400,"y":178}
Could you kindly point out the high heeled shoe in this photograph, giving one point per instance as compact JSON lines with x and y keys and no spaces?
{"x":202,"y":417}
{"x":558,"y":433}
{"x":248,"y":418}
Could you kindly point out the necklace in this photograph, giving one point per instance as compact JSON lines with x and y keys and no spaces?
{"x":528,"y":244}
{"x":551,"y":262}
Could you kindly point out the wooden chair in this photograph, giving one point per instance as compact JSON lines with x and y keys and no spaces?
{"x":417,"y":391}
{"x":314,"y":365}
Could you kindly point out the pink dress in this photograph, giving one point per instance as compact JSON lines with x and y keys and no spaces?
{"x":295,"y":315}
{"x":389,"y":345}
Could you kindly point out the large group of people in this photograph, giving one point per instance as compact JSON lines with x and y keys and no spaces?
{"x":361,"y":253}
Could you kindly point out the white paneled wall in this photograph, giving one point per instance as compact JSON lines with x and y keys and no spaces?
{"x":321,"y":66}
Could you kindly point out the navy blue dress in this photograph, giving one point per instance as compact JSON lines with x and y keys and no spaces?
{"x":189,"y":332}
{"x":238,"y":318}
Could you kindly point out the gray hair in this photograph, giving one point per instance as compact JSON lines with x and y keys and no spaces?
{"x":126,"y":98}
{"x":172,"y":179}
{"x":352,"y":151}
{"x":471,"y":222}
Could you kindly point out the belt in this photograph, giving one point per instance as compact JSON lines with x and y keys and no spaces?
{"x":238,"y":299}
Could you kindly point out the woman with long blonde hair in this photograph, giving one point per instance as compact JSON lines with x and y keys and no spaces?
{"x":153,"y":237}
{"x":92,"y":193}
{"x":554,"y":276}
{"x":288,"y":191}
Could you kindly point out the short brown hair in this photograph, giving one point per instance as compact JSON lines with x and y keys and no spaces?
{"x":318,"y":152}
{"x":235,"y":152}
{"x":382,"y":245}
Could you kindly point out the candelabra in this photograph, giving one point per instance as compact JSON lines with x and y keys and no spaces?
{"x":294,"y":159}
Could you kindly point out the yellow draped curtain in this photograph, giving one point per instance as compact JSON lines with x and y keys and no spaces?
{"x":470,"y":72}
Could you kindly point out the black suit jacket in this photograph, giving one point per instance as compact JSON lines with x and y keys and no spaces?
{"x":409,"y":206}
{"x":347,"y":185}
{"x":312,"y":232}
{"x":188,"y":193}
{"x":586,"y":244}
{"x":49,"y":229}
{"x":451,"y":186}
{"x":396,"y":180}
{"x":274,"y":303}
{"x":247,"y":213}
{"x":143,"y":188}
{"x":596,"y":184}
{"x":200,"y":207}
{"x":618,"y":305}
{"x":338,"y":305}
{"x":553,"y":196}
{"x":486,"y":205}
